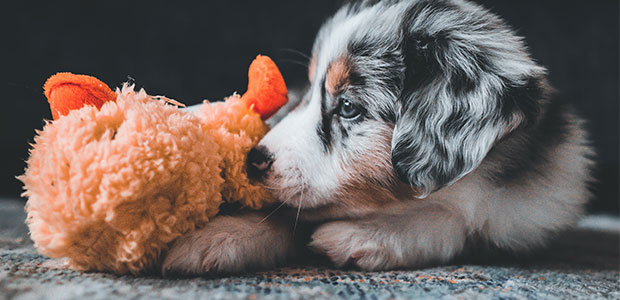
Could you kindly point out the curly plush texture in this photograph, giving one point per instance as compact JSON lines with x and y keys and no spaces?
{"x":125,"y":181}
{"x":130,"y":178}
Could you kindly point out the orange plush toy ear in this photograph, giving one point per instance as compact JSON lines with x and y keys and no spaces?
{"x":67,"y":91}
{"x":266,"y":88}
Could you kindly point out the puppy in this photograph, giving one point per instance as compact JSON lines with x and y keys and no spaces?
{"x":426,"y":125}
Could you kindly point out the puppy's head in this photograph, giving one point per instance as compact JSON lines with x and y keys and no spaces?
{"x":401,"y":92}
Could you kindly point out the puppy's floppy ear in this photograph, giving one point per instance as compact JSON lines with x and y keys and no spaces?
{"x":458,"y":100}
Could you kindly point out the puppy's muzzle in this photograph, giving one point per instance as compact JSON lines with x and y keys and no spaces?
{"x":259,"y":161}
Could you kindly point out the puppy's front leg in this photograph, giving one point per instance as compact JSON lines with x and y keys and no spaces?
{"x":231,"y":244}
{"x":401,"y":238}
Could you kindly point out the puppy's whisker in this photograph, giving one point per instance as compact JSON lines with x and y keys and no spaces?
{"x":271,"y":213}
{"x":296,"y":52}
{"x":301,"y":197}
{"x":295,"y":62}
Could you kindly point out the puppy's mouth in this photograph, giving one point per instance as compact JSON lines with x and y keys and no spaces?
{"x":297,"y":202}
{"x":289,"y":190}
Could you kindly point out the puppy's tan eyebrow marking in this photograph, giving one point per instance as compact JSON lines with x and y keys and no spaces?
{"x":338,"y":75}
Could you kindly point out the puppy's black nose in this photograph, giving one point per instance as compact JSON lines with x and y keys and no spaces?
{"x":259,"y":161}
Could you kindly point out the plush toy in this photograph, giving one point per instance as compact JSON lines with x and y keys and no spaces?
{"x":117,"y":176}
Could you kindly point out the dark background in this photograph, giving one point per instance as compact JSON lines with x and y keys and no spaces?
{"x":202,"y":50}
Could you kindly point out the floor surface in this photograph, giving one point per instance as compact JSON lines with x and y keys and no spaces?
{"x":583,"y":263}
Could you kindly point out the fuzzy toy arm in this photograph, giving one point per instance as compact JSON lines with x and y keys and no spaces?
{"x":237,"y":126}
{"x":236,"y":129}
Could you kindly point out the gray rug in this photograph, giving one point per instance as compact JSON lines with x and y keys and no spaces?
{"x":582,"y":264}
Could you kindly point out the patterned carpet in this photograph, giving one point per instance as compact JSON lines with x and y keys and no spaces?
{"x":583,"y":264}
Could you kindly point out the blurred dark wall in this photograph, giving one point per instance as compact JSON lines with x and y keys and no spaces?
{"x":202,"y":50}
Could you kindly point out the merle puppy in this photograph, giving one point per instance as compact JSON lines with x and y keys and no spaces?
{"x":426,"y":124}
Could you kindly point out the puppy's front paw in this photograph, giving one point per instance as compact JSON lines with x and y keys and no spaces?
{"x":351,"y":243}
{"x":203,"y":251}
{"x":228,"y":245}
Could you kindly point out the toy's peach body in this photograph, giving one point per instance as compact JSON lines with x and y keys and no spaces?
{"x":109,"y":189}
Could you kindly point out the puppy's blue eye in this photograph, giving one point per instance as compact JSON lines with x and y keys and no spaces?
{"x":347,"y":109}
